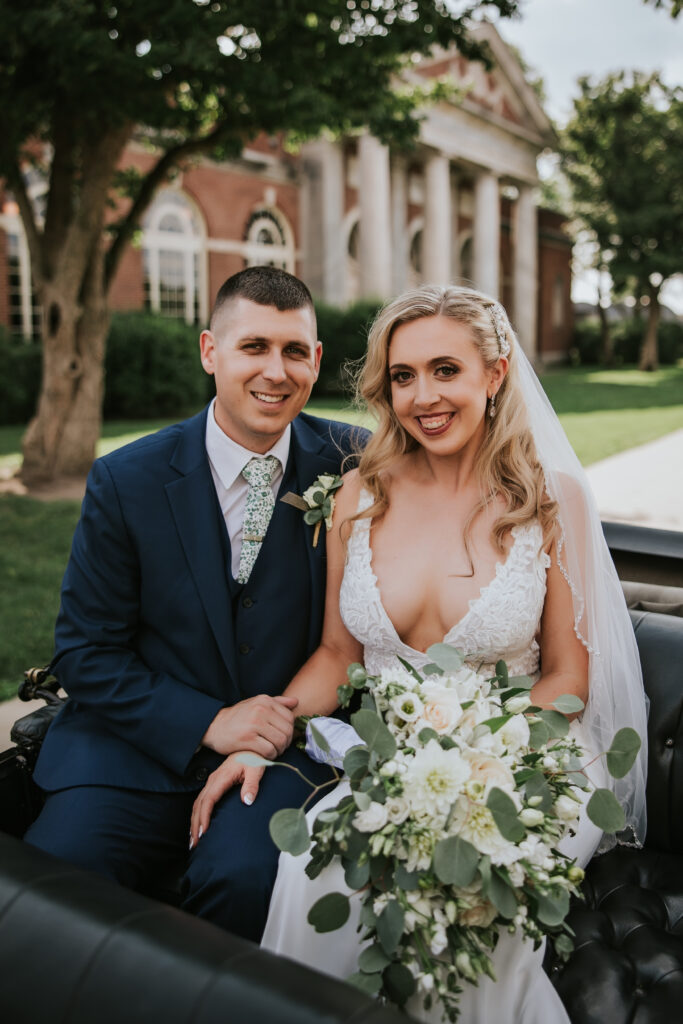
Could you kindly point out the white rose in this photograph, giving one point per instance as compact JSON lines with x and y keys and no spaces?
{"x":490,"y":772}
{"x":515,"y":733}
{"x":325,"y":480}
{"x":397,"y":809}
{"x":407,"y":706}
{"x":308,"y":495}
{"x":479,"y":916}
{"x":442,"y":710}
{"x":371,"y":820}
{"x":439,"y":941}
{"x":566,"y":809}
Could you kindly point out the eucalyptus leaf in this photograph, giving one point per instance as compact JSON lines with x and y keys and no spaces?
{"x":410,"y":668}
{"x":455,"y":861}
{"x":289,"y":831}
{"x":568,"y":703}
{"x":447,"y":743}
{"x":521,"y":682}
{"x":427,"y":734}
{"x":578,"y":779}
{"x":502,"y":672}
{"x":329,"y":912}
{"x":362,"y":800}
{"x":367,"y":702}
{"x":319,"y":738}
{"x":623,"y":752}
{"x":494,"y":724}
{"x":374,"y":732}
{"x":253,"y":760}
{"x":356,"y":674}
{"x":536,"y":785}
{"x":399,"y":983}
{"x":432,"y":670}
{"x":448,"y":658}
{"x":502,"y":895}
{"x":356,"y":760}
{"x":344,"y":694}
{"x":357,"y":875}
{"x":368,"y":983}
{"x":539,"y":734}
{"x":406,"y":880}
{"x":390,"y":926}
{"x":552,"y":907}
{"x":368,"y":917}
{"x":605,"y":811}
{"x":318,"y":497}
{"x":504,"y":814}
{"x":373,"y":958}
{"x":313,"y":516}
{"x":564,"y":945}
{"x":556,"y":722}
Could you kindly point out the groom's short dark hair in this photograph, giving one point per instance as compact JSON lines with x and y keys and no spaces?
{"x":267,"y":286}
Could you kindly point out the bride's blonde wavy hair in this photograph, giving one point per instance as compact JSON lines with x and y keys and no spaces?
{"x":506,"y":464}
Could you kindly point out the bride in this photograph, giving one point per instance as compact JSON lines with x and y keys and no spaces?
{"x":469,"y":522}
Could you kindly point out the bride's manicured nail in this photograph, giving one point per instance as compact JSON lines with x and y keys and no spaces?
{"x":248,"y":799}
{"x":200,"y":833}
{"x":191,"y":843}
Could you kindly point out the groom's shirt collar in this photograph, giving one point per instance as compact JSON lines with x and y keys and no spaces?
{"x":227,"y":459}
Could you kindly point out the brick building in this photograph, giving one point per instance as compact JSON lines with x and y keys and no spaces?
{"x":354,"y":218}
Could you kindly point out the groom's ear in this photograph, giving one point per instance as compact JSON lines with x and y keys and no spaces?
{"x":207,"y":351}
{"x":317,"y":356}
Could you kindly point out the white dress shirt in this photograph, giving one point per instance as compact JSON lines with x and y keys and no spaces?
{"x":227,"y":459}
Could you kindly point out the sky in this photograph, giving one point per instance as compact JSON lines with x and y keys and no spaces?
{"x":565,"y":39}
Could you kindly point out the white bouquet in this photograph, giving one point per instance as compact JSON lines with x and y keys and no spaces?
{"x":461,"y":790}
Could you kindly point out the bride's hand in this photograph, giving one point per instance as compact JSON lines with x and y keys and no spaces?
{"x":229,"y":774}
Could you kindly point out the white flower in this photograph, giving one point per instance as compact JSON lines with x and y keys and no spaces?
{"x":434,"y":779}
{"x":566,"y":809}
{"x":407,"y":706}
{"x":426,"y":981}
{"x":531,"y":817}
{"x":326,"y":480}
{"x":397,"y":809}
{"x":475,"y":823}
{"x":515,"y":734}
{"x":442,"y":709}
{"x":371,"y":820}
{"x":479,"y":916}
{"x":464,"y":964}
{"x":420,"y":850}
{"x":516,"y":872}
{"x":439,"y":941}
{"x":465,"y":681}
{"x":308,"y":495}
{"x":518,"y":704}
{"x":490,"y":772}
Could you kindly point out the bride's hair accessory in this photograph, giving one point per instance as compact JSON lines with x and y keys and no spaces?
{"x":500,"y":325}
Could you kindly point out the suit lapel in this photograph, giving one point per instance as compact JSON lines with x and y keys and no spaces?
{"x":194,"y":506}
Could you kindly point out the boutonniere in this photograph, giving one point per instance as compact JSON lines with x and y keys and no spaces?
{"x":317,"y":502}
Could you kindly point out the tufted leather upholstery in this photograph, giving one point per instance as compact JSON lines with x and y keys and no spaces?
{"x":627,"y":965}
{"x":78,"y":949}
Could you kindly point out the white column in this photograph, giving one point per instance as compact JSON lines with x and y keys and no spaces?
{"x":399,"y":225}
{"x":486,"y":234}
{"x":436,"y":239}
{"x":375,"y":218}
{"x":322,"y":214}
{"x":525,"y":269}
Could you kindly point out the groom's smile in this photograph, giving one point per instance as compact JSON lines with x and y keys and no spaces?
{"x":265,"y":362}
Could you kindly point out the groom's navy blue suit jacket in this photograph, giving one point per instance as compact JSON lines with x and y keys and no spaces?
{"x":154,"y":635}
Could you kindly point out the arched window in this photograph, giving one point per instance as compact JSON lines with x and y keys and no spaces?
{"x":268,"y":240}
{"x":173,"y":256}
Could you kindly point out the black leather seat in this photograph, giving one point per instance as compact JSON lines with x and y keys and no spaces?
{"x":628,"y":960}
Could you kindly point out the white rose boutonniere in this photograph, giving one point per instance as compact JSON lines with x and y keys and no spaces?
{"x":317,"y":502}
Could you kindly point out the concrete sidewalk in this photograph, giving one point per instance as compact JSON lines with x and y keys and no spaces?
{"x":643,"y":486}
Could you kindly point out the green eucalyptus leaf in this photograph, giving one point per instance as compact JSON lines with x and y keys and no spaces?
{"x":344,"y":694}
{"x":623,"y":752}
{"x":362,"y":800}
{"x":356,"y":674}
{"x":502,"y":672}
{"x":410,"y":668}
{"x":432,"y":670}
{"x":319,"y":738}
{"x":368,"y":983}
{"x":455,"y":861}
{"x":605,"y":811}
{"x":373,"y":958}
{"x":356,"y":761}
{"x":504,"y":814}
{"x":427,"y":734}
{"x":313,"y":516}
{"x":373,"y":731}
{"x":556,"y":722}
{"x":564,"y":945}
{"x":357,"y":875}
{"x":520,"y":682}
{"x":318,"y":497}
{"x":253,"y":760}
{"x":329,"y":912}
{"x":539,"y":734}
{"x":536,"y":785}
{"x":447,"y":743}
{"x":568,"y":703}
{"x":289,"y":831}
{"x":448,"y":658}
{"x":367,"y":702}
{"x":494,"y":724}
{"x":502,"y":895}
{"x":390,"y":926}
{"x":404,"y":879}
{"x":552,"y":907}
{"x":399,"y":983}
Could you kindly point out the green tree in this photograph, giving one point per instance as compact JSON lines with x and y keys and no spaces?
{"x":621,"y":153}
{"x":79,"y":78}
{"x":674,"y":7}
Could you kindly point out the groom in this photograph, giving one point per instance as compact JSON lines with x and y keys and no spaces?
{"x":192,"y":596}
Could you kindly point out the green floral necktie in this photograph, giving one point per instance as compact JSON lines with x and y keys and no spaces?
{"x":257,"y":512}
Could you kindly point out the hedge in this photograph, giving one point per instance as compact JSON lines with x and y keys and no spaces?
{"x":627,"y":336}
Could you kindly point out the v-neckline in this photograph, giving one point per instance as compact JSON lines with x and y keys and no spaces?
{"x":473,"y":602}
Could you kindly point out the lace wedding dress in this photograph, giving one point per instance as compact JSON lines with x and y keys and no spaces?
{"x":502,"y":622}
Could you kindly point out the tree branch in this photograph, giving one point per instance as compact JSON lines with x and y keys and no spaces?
{"x":151,"y":182}
{"x":60,"y":199}
{"x":34,"y":238}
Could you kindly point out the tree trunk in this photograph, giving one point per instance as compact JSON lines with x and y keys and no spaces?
{"x":60,"y":440}
{"x":649,"y":353}
{"x":606,"y":340}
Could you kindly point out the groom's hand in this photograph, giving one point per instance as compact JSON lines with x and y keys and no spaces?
{"x":262,"y":724}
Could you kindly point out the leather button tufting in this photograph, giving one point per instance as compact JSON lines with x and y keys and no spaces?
{"x":669,"y":742}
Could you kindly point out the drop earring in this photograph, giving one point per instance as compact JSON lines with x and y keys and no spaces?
{"x":492,"y":406}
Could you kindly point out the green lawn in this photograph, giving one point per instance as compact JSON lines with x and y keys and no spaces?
{"x":603,"y":412}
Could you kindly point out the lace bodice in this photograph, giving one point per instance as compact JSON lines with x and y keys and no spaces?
{"x":501,"y":622}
